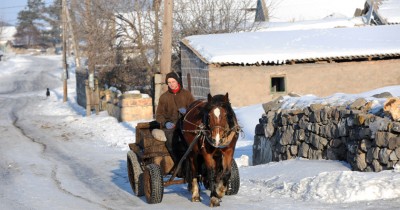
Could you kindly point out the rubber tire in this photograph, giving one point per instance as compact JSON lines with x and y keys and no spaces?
{"x":135,"y":174}
{"x":153,"y":184}
{"x":234,"y":180}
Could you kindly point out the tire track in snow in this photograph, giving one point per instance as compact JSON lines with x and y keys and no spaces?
{"x":57,"y":182}
{"x":59,"y":186}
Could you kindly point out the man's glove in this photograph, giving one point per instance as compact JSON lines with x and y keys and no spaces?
{"x":182,"y":110}
{"x":169,"y":125}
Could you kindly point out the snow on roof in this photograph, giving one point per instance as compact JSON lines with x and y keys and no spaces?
{"x":311,"y":24}
{"x":390,"y":11}
{"x":283,"y":46}
{"x":295,"y":10}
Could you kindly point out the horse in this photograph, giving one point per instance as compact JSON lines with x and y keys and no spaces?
{"x":211,"y":128}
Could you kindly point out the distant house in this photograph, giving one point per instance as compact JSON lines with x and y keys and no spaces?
{"x":256,"y":67}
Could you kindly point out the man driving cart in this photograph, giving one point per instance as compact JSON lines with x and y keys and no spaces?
{"x":171,"y":107}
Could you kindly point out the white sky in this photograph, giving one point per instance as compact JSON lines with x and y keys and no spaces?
{"x":294,"y":10}
{"x":9,"y":9}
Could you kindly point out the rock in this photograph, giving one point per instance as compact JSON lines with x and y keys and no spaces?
{"x":358,"y":104}
{"x":392,"y":107}
{"x":361,"y":161}
{"x":259,"y":130}
{"x":303,"y":150}
{"x":383,"y":95}
{"x":269,"y":129}
{"x":395,"y":127}
{"x":381,"y":139}
{"x":384,"y":155}
{"x":394,"y":142}
{"x":272,"y":105}
{"x":292,"y":94}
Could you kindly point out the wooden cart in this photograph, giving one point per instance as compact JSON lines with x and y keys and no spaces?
{"x":149,"y":162}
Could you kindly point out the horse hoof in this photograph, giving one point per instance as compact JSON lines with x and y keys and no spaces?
{"x":214,"y":202}
{"x":196,"y":199}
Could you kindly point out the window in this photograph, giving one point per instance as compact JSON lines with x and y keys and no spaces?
{"x":278,"y":84}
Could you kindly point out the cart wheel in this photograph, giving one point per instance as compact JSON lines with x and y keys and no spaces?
{"x":234,"y":180}
{"x":135,"y":174}
{"x":153,"y":183}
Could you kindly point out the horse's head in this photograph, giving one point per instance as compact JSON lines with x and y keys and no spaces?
{"x":220,"y":120}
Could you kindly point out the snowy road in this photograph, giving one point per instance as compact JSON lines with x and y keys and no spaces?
{"x":54,"y":157}
{"x":42,"y":161}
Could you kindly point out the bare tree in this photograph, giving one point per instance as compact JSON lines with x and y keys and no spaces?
{"x":122,"y":37}
{"x":139,"y":29}
{"x":92,"y":25}
{"x":212,"y":17}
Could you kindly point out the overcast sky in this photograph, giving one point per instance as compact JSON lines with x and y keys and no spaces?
{"x":9,"y":9}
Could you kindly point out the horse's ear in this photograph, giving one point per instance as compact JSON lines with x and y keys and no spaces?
{"x":209,"y":97}
{"x":226,"y":98}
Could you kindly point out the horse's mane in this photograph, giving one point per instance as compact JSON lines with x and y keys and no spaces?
{"x":221,"y":101}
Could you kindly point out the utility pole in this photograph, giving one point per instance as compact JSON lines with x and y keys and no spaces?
{"x":73,"y":37}
{"x":166,"y":50}
{"x":64,"y":40}
{"x":90,"y":44}
{"x":166,"y":46}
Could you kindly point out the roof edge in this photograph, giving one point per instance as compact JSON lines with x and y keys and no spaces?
{"x":185,"y":42}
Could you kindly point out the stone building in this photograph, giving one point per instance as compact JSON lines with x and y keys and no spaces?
{"x":256,"y":67}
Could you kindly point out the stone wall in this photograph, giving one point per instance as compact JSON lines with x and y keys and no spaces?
{"x":368,"y":142}
{"x":130,"y":107}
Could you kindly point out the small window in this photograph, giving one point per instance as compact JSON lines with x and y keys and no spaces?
{"x":277,"y":84}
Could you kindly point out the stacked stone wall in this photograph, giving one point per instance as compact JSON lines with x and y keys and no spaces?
{"x":368,"y":142}
{"x":130,"y":107}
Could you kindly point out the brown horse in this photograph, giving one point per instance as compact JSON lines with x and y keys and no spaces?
{"x":211,"y":128}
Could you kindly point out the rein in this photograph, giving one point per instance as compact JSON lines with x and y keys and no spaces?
{"x":201,"y":130}
{"x":201,"y":126}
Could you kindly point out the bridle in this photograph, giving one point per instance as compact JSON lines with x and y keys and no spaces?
{"x":204,"y":131}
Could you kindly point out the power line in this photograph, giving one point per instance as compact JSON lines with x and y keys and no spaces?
{"x":19,"y":6}
{"x":12,"y":7}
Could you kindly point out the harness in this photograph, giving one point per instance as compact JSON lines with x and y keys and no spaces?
{"x":204,"y":132}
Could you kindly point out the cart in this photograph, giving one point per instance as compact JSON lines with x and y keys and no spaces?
{"x":151,"y":168}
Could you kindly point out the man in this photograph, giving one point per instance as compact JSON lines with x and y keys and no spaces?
{"x":171,"y":106}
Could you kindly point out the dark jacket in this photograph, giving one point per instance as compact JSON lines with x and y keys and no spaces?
{"x":169,"y":103}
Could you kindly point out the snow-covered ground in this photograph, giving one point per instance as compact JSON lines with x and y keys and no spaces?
{"x":54,"y":157}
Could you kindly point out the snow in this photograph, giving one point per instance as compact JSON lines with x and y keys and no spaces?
{"x":92,"y":174}
{"x":52,"y":156}
{"x":280,"y":46}
{"x":389,"y":10}
{"x":341,"y":99}
{"x":337,"y":22}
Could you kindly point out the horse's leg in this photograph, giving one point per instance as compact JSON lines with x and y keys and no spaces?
{"x":194,"y":185}
{"x":211,"y":170}
{"x":223,"y":177}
